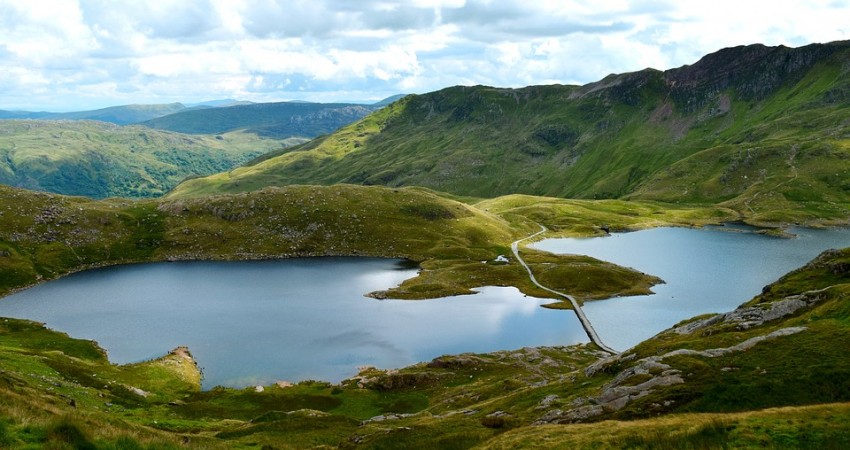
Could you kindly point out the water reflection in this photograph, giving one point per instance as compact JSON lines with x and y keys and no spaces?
{"x":258,"y":322}
{"x":705,"y":271}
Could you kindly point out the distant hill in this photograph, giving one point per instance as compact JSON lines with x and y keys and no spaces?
{"x":98,"y":159}
{"x":389,"y":100}
{"x":219,"y":103}
{"x":119,"y":115}
{"x":268,"y":119}
{"x":23,"y":114}
{"x":275,"y":120}
{"x":761,"y":129}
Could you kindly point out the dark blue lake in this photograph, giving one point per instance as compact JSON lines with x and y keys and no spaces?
{"x":258,"y":322}
{"x":705,"y":270}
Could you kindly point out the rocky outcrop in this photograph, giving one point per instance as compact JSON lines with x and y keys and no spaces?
{"x":753,"y":72}
{"x":642,"y":378}
{"x":744,"y":318}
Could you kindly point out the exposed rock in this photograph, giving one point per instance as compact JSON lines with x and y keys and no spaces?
{"x":455,"y":362}
{"x":384,"y":417}
{"x":548,"y":401}
{"x":690,"y":327}
{"x":617,"y":394}
{"x":404,"y":380}
{"x":574,"y":415}
{"x":138,"y":391}
{"x":752,"y":316}
{"x":603,"y":363}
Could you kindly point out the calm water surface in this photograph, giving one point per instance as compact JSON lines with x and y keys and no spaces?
{"x":257,"y":322}
{"x":705,"y":270}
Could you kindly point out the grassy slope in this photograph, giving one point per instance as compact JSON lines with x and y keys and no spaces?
{"x":102,"y":160}
{"x":487,"y":401}
{"x":632,"y":135}
{"x":785,"y":158}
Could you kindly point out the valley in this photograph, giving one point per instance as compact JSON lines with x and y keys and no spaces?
{"x":454,"y":182}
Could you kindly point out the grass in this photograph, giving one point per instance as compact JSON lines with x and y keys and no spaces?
{"x":804,"y":427}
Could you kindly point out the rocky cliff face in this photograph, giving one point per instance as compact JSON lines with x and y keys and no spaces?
{"x":753,"y":72}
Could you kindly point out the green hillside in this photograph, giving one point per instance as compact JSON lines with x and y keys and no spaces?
{"x":98,"y":159}
{"x":762,"y":129}
{"x":274,"y":120}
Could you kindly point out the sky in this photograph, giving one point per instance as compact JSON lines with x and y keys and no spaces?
{"x":67,"y":55}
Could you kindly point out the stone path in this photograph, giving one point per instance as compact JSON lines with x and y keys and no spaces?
{"x":585,"y":322}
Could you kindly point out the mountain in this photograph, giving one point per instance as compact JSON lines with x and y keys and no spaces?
{"x":99,"y":159}
{"x":119,"y":115}
{"x":273,"y":120}
{"x":761,"y":129}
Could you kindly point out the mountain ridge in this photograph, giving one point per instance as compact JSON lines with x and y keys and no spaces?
{"x":607,"y":139}
{"x":274,"y":120}
{"x":119,"y":115}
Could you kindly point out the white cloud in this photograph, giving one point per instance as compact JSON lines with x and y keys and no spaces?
{"x":67,"y":54}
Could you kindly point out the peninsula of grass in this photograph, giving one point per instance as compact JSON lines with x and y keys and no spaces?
{"x":43,"y":236}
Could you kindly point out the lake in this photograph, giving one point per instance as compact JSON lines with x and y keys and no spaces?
{"x":251,"y":323}
{"x":705,"y":270}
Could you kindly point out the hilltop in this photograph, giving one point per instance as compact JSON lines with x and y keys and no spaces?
{"x":759,"y":129}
